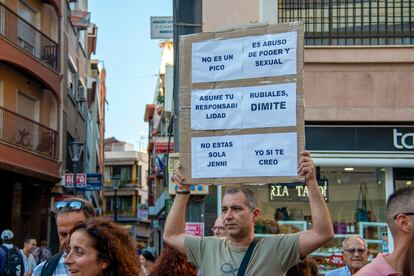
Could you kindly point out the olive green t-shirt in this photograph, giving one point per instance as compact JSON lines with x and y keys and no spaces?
{"x":216,"y":257}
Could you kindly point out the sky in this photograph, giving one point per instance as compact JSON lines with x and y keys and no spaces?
{"x":131,"y":60}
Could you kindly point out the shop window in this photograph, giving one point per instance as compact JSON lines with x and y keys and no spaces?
{"x":287,"y":210}
{"x":403,"y":177}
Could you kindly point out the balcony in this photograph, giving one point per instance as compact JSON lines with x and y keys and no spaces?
{"x":25,"y":133}
{"x":22,"y":34}
{"x":338,"y":22}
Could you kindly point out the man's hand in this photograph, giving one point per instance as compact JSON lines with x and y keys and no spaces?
{"x":179,"y":179}
{"x":174,"y":230}
{"x":306,"y":167}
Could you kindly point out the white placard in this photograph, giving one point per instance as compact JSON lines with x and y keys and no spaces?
{"x":244,"y":107}
{"x":216,"y":109}
{"x":246,"y":57}
{"x":219,"y":59}
{"x":273,"y":154}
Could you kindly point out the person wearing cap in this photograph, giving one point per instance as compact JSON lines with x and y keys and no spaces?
{"x":69,"y":212}
{"x":7,"y":245}
{"x":6,"y":236}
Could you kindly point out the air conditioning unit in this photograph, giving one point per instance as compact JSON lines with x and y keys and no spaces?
{"x":82,"y":94}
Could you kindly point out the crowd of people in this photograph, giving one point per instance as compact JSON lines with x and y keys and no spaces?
{"x":93,"y":245}
{"x":22,"y":261}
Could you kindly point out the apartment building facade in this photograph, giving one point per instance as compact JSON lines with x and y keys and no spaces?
{"x":30,"y":105}
{"x":125,"y":191}
{"x":44,"y":105}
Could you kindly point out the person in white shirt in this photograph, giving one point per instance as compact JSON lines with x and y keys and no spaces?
{"x":28,"y":258}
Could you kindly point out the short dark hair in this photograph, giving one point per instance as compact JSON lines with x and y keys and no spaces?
{"x":28,"y":239}
{"x":399,"y":201}
{"x":87,"y":209}
{"x":251,"y":201}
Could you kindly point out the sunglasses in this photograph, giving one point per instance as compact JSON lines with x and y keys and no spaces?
{"x":407,"y":214}
{"x":72,"y":205}
{"x":353,"y":250}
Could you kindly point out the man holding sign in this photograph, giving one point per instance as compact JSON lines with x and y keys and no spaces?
{"x":269,"y":256}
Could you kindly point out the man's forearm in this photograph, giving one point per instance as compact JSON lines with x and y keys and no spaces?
{"x":175,"y":223}
{"x":321,"y":219}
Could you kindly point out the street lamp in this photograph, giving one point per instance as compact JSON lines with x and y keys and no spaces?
{"x":116,"y":180}
{"x":75,"y":151}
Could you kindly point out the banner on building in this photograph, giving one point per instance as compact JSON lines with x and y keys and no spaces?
{"x":241,"y":105}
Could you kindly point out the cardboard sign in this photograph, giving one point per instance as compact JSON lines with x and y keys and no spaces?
{"x":241,"y":105}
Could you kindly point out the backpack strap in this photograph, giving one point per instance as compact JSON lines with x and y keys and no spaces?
{"x":6,"y":249}
{"x":247,"y":256}
{"x":50,"y":266}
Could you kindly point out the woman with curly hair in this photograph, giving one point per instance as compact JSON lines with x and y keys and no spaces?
{"x":100,"y":247}
{"x":173,"y":263}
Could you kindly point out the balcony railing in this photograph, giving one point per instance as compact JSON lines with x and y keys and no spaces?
{"x":24,"y":35}
{"x":23,"y":132}
{"x":341,"y":22}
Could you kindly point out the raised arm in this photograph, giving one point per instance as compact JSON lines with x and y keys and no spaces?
{"x":322,"y":229}
{"x":174,"y":230}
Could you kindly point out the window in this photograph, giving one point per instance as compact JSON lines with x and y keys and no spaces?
{"x":124,"y":205}
{"x":27,"y":131}
{"x":340,"y":22}
{"x":28,"y":38}
{"x":124,"y":172}
{"x":71,"y":81}
{"x":139,"y":175}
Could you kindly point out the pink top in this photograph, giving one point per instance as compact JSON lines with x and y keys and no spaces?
{"x":378,"y":267}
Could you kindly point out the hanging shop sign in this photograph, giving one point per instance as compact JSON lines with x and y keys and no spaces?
{"x":88,"y":182}
{"x":94,"y":182}
{"x":69,"y":179}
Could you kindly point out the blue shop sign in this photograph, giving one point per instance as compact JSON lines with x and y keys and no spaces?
{"x":93,"y":182}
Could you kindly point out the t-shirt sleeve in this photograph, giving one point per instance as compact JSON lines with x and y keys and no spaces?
{"x":38,"y":270}
{"x":287,"y":248}
{"x":194,"y":248}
